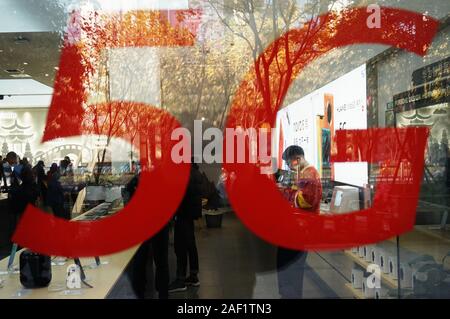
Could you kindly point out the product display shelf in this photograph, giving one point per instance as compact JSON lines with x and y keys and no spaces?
{"x":357,"y":293}
{"x":435,"y":232}
{"x":441,"y":231}
{"x":424,"y":243}
{"x":386,"y":279}
{"x":422,"y":240}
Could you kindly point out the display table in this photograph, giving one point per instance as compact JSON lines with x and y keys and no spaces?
{"x":423,"y":240}
{"x":102,"y":278}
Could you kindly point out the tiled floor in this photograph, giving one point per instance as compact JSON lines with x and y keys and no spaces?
{"x":234,"y":263}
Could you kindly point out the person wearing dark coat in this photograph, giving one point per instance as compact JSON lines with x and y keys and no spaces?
{"x":189,"y":210}
{"x":154,"y":249}
{"x":41,"y":178}
{"x":55,"y":197}
{"x":13,"y":189}
{"x":25,"y":194}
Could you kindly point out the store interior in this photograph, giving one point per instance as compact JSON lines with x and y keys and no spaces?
{"x":384,"y":88}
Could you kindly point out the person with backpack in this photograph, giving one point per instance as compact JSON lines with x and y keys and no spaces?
{"x":189,"y":210}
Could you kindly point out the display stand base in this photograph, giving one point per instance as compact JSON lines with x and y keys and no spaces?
{"x":21,"y":293}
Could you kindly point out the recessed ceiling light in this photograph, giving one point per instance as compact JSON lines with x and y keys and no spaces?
{"x":47,"y":75}
{"x":21,"y":40}
{"x":56,"y":68}
{"x":21,"y":76}
{"x":25,"y":63}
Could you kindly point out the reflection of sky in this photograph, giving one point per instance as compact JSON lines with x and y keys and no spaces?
{"x":339,"y":5}
{"x":126,"y":5}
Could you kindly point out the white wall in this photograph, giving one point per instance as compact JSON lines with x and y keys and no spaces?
{"x":30,"y":16}
{"x":36,"y":118}
{"x":17,"y":16}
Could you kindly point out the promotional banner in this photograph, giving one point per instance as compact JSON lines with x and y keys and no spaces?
{"x":296,"y":126}
{"x":312,"y":122}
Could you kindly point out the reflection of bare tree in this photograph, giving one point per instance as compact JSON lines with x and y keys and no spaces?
{"x":86,"y":104}
{"x":198,"y":82}
{"x":257,"y":24}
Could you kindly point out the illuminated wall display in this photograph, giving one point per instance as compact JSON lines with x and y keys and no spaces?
{"x":297,"y":125}
{"x":21,"y":131}
{"x":341,"y":104}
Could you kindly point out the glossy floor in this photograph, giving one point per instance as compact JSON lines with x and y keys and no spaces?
{"x":234,"y":263}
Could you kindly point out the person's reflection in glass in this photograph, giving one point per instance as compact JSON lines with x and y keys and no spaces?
{"x":155,"y":249}
{"x":305,"y":192}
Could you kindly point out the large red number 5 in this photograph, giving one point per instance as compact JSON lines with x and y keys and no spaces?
{"x":162,"y":182}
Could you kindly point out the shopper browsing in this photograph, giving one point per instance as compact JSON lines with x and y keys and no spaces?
{"x":66,"y":167}
{"x":2,"y":174}
{"x":41,"y":178}
{"x":27,"y":193}
{"x":21,"y":189}
{"x":154,"y":249}
{"x":12,"y":160}
{"x":55,"y":195}
{"x":305,"y":192}
{"x":184,"y":234}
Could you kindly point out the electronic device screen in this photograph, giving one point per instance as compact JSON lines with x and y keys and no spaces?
{"x":285,"y":177}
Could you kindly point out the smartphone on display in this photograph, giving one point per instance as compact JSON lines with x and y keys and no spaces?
{"x":328,"y":132}
{"x":329,"y":113}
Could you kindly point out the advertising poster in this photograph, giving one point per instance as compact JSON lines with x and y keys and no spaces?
{"x":312,"y":122}
{"x":296,"y":126}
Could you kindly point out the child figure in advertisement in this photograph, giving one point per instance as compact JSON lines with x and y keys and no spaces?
{"x":304,"y":192}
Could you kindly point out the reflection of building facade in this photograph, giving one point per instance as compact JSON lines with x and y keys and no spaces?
{"x":57,"y":153}
{"x":427,"y":104}
{"x":22,"y":133}
{"x":211,"y":28}
{"x":16,"y":138}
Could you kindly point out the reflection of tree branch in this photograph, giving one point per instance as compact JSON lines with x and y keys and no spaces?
{"x":254,"y":28}
{"x":227,"y":25}
{"x":202,"y":85}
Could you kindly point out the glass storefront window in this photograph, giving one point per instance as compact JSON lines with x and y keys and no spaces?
{"x":93,"y":95}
